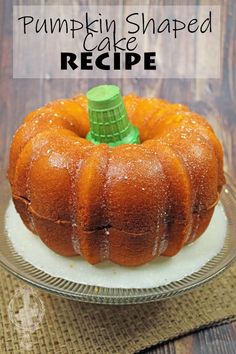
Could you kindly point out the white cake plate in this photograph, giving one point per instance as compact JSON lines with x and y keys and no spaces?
{"x":24,"y":255}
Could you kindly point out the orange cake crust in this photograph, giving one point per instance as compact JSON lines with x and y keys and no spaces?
{"x":127,"y":204}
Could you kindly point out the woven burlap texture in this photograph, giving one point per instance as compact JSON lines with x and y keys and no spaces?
{"x":74,"y":327}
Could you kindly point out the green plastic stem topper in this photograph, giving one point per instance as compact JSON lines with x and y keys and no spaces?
{"x":108,"y":118}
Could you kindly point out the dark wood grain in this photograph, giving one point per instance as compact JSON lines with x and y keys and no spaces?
{"x":215,"y":340}
{"x":214,"y":98}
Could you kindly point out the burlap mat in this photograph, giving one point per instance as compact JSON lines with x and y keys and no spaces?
{"x":73,"y":327}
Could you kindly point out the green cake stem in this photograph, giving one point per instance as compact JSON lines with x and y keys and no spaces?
{"x":108,"y":118}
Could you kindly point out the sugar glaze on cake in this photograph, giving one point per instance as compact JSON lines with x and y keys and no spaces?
{"x":128,"y":203}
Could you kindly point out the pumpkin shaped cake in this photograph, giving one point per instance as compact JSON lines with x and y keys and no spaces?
{"x":127,"y":203}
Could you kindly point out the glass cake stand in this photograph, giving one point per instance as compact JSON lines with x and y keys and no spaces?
{"x":16,"y":265}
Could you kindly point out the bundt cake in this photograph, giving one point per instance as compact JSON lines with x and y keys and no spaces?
{"x":127,"y":204}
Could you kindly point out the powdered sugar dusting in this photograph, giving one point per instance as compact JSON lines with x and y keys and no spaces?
{"x":75,"y":240}
{"x":105,"y":245}
{"x":163,"y":242}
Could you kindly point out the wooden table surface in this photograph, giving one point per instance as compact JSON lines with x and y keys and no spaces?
{"x":214,"y":98}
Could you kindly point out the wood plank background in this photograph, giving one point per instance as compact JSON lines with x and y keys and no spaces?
{"x":216,"y":99}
